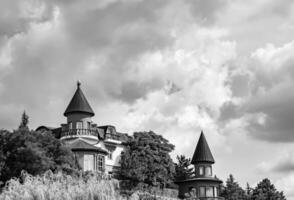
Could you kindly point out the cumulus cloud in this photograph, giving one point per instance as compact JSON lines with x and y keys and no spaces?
{"x":174,"y":67}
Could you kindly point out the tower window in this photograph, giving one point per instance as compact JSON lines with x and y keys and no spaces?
{"x":79,"y":125}
{"x":209,"y":191}
{"x":201,"y":170}
{"x":201,"y":191}
{"x":88,"y":162}
{"x":100,"y":163}
{"x":70,"y":125}
{"x":110,"y":155}
{"x":208,"y":171}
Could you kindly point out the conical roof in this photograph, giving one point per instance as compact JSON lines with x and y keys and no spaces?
{"x":202,"y":152}
{"x":79,"y":103}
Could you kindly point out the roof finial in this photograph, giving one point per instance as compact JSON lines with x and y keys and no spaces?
{"x":78,"y":83}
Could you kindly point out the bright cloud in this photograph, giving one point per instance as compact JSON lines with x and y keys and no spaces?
{"x":175,"y":67}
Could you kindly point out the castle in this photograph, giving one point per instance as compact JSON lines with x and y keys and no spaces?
{"x":97,"y":148}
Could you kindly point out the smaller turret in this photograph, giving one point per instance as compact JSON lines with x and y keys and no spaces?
{"x":202,"y":158}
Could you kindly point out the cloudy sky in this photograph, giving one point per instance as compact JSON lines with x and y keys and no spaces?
{"x":172,"y":66}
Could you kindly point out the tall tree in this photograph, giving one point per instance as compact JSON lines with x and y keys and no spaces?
{"x":232,"y":190}
{"x":183,"y":168}
{"x":147,"y":160}
{"x":265,"y":190}
{"x":24,"y":121}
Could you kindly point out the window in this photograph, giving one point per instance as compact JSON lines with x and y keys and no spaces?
{"x":201,"y":170}
{"x":215,"y":192}
{"x":89,"y":125}
{"x":88,"y":162}
{"x":201,"y":191}
{"x":209,"y":191}
{"x":208,"y":171}
{"x":99,"y":163}
{"x":70,"y":125}
{"x":79,"y":125}
{"x":110,"y":155}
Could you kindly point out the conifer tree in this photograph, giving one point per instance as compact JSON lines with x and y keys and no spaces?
{"x":24,"y":121}
{"x":265,"y":190}
{"x":183,"y":169}
{"x":232,"y":190}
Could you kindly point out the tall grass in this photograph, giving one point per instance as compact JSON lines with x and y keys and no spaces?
{"x":61,"y":187}
{"x":64,"y":187}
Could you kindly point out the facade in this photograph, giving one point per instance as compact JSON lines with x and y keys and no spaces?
{"x":97,"y":148}
{"x":204,"y":185}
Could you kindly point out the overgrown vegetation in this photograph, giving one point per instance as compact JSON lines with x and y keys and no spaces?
{"x":33,"y":152}
{"x":59,"y":186}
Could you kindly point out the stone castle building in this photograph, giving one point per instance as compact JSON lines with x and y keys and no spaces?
{"x":96,"y":147}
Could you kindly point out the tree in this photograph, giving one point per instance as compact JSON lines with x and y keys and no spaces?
{"x":33,"y":152}
{"x":24,"y":121}
{"x":147,"y":160}
{"x":182,"y":167}
{"x":265,"y":190}
{"x":232,"y":190}
{"x":248,"y":191}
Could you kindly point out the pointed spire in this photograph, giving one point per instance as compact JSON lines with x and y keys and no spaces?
{"x":79,"y":103}
{"x":202,"y":152}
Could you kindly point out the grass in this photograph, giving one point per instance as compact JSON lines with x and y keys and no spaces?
{"x":64,"y":187}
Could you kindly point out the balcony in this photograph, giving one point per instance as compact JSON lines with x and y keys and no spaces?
{"x":79,"y":133}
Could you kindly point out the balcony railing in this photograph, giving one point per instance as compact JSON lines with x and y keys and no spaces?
{"x":211,"y":198}
{"x":79,"y":132}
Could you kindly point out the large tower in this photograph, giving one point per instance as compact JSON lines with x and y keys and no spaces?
{"x":204,"y":183}
{"x":79,"y":119}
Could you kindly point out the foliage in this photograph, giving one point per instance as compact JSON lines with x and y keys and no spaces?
{"x":60,"y":186}
{"x":147,"y":160}
{"x":83,"y":186}
{"x":33,"y":152}
{"x":24,"y":121}
{"x":232,"y":190}
{"x":182,"y":168}
{"x":265,"y":190}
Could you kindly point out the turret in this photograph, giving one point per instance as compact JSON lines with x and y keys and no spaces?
{"x":79,"y":117}
{"x":202,"y":158}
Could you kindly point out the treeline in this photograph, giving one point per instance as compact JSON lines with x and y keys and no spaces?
{"x":33,"y":152}
{"x":231,"y":190}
